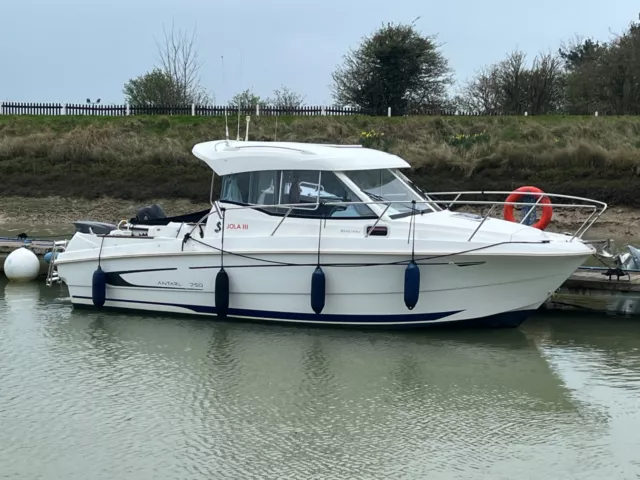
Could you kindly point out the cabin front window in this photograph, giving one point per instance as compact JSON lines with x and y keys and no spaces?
{"x":305,"y":192}
{"x":382,"y":185}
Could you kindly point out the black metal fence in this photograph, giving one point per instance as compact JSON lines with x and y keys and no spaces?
{"x":14,"y":108}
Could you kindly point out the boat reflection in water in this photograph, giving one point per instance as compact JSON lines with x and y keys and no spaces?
{"x":195,"y":398}
{"x":248,"y":394}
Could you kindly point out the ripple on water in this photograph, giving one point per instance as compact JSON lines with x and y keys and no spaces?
{"x":92,"y":395}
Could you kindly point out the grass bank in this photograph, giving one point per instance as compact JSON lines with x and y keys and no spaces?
{"x":140,"y":158}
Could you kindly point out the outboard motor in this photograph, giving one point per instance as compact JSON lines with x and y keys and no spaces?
{"x":150,"y":212}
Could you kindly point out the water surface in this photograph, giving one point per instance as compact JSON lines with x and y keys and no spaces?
{"x":90,"y":395}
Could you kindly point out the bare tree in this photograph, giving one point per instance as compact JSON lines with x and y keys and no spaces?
{"x":513,"y":77}
{"x":545,"y":89}
{"x":482,"y":94}
{"x":510,"y":86}
{"x":179,"y":58}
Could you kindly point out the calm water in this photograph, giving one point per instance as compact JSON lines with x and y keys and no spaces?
{"x":86,"y":395}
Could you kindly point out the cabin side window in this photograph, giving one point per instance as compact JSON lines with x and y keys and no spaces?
{"x":314,"y":193}
{"x":300,"y":188}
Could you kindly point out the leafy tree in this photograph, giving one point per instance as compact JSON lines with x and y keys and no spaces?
{"x":394,"y":67}
{"x":247,"y":98}
{"x":580,"y":52}
{"x":156,"y":87}
{"x":285,"y":98}
{"x":603,"y":77}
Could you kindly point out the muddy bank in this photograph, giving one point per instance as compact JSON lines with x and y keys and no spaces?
{"x":144,"y":157}
{"x":617,"y":222}
{"x":61,"y":212}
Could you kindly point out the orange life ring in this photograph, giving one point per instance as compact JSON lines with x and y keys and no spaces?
{"x":517,"y":194}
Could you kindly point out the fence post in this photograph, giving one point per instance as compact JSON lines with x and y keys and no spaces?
{"x":1,"y":108}
{"x":193,"y":109}
{"x":596,"y":113}
{"x":127,"y":110}
{"x":526,"y":114}
{"x":64,"y":109}
{"x":388,"y":111}
{"x":323,"y":111}
{"x":257,"y":109}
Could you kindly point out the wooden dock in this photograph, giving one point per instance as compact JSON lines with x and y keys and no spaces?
{"x":39,"y":247}
{"x":591,"y":290}
{"x":585,"y":281}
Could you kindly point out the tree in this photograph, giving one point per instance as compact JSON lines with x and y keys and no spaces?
{"x":178,"y":72}
{"x":483,"y":93}
{"x":510,"y":86}
{"x":394,"y":67}
{"x":603,"y":77}
{"x":246,"y":99}
{"x":579,"y":52}
{"x":545,"y":85}
{"x":285,"y":99}
{"x":179,"y":59}
{"x":156,"y":87}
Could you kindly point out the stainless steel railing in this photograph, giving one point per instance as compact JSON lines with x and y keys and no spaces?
{"x":594,"y":208}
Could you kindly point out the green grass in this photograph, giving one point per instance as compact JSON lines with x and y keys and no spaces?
{"x":149,"y":157}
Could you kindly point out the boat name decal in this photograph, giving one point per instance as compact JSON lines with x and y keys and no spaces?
{"x":169,"y":284}
{"x":237,"y":226}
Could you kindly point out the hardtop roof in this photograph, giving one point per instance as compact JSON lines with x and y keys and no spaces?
{"x":226,"y":157}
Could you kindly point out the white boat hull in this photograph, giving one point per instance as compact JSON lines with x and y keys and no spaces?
{"x":465,"y":289}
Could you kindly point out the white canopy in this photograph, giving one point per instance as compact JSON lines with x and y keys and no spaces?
{"x":229,"y":156}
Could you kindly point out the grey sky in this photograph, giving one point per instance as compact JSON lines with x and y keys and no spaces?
{"x":68,"y":50}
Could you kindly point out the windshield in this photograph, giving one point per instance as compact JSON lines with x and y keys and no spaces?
{"x":383,"y":184}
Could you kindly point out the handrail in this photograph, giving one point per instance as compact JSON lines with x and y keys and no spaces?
{"x":300,"y":150}
{"x":378,"y":220}
{"x":481,"y":223}
{"x":596,"y":207}
{"x":282,"y":220}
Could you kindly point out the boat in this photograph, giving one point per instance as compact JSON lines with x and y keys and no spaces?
{"x":323,"y":234}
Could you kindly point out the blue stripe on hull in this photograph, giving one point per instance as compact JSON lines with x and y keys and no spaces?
{"x":507,"y":319}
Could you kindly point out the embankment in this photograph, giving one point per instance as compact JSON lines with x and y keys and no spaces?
{"x":128,"y":161}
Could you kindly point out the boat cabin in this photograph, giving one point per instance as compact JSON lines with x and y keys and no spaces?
{"x":312,"y":180}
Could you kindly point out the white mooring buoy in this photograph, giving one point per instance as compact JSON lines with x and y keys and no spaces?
{"x":22,"y":265}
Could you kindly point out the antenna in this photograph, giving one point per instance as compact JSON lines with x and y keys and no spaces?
{"x":239,"y":83}
{"x":226,"y":124}
{"x":238,"y":135}
{"x":226,"y":113}
{"x":246,"y":133}
{"x":222,"y":69}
